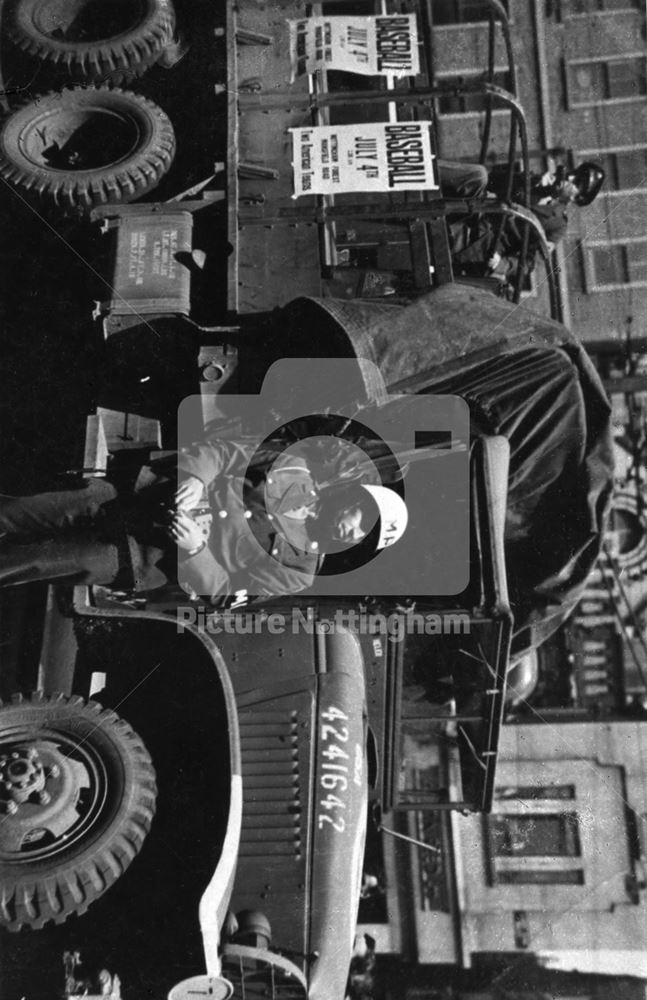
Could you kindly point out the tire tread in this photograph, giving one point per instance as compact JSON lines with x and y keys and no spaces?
{"x":35,"y":899}
{"x":118,"y":59}
{"x":78,"y":193}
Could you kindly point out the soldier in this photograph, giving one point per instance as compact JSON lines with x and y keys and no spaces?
{"x":474,"y":239}
{"x":234,"y":505}
{"x":553,"y":191}
{"x":550,"y":192}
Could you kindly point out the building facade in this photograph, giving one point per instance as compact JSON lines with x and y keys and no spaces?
{"x":558,"y":867}
{"x":582,"y":80}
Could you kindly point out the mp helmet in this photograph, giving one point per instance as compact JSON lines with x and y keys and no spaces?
{"x":393,"y":514}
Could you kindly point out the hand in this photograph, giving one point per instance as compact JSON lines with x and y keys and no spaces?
{"x":189,"y":493}
{"x":186,"y":534}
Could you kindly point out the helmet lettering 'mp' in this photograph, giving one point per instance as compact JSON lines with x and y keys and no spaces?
{"x":390,"y":533}
{"x":393,"y":514}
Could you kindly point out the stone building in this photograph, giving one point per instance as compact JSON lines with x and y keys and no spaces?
{"x":582,"y":80}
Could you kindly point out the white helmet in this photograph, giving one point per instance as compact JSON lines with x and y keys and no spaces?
{"x":393,"y":514}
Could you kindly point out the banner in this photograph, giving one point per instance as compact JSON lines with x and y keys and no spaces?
{"x":375,"y":156}
{"x":372,"y":46}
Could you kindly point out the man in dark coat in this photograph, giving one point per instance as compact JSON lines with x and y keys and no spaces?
{"x":552,"y":192}
{"x":479,"y":245}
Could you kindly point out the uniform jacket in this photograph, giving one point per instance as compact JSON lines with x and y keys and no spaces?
{"x":551,"y":212}
{"x":553,"y":218}
{"x":248,"y":494}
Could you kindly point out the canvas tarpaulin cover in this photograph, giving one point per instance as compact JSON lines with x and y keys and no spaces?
{"x":525,"y":377}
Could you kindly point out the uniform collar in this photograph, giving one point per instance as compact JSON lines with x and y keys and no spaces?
{"x":296,"y":534}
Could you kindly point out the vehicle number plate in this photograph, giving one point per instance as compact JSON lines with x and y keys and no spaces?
{"x":337,"y":763}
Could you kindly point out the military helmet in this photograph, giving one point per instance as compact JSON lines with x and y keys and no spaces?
{"x":393,"y":514}
{"x":588,"y":178}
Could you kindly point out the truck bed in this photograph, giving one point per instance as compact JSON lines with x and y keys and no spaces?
{"x":270,"y":264}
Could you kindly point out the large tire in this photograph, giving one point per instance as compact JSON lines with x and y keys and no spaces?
{"x":86,"y":147}
{"x":93,"y":40}
{"x":77,"y":796}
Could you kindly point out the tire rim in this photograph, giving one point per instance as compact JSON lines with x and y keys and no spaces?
{"x":82,"y":139}
{"x":84,"y":22}
{"x":53,"y":791}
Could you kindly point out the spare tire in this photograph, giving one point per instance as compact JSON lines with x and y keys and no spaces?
{"x":77,"y":797}
{"x":90,"y":39}
{"x":86,"y":147}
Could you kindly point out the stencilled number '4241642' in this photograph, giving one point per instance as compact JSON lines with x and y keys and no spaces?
{"x":337,"y":763}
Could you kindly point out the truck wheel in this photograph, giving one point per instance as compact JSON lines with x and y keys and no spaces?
{"x":86,"y":147}
{"x":91,"y":39}
{"x":77,"y":796}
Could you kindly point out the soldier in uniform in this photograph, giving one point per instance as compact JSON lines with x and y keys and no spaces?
{"x":552,"y":192}
{"x":480,"y":248}
{"x":209,"y":517}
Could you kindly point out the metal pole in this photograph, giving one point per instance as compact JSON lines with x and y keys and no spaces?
{"x":411,"y":840}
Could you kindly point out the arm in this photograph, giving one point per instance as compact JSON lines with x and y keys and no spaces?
{"x":208,"y":461}
{"x":203,"y":575}
{"x":199,"y":572}
{"x":276,"y":580}
{"x":553,"y":219}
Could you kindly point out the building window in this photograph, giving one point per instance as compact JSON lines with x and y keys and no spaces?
{"x":605,"y":80}
{"x":461,"y":11}
{"x":541,"y":876}
{"x":470,"y":103}
{"x":625,"y":169}
{"x":600,"y":6}
{"x":430,"y":827}
{"x":533,"y":849}
{"x":611,"y":265}
{"x":614,"y":265}
{"x":359,"y":8}
{"x":535,"y":835}
{"x":524,"y":792}
{"x":422,"y":779}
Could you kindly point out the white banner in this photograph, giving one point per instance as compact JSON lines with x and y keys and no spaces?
{"x":372,"y":46}
{"x":376,"y":156}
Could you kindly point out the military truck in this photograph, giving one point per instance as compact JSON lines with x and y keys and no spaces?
{"x":320,"y":724}
{"x":324,"y":727}
{"x":114,"y":128}
{"x":336,"y":709}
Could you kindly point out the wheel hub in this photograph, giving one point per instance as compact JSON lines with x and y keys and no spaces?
{"x":23,"y":776}
{"x":40,"y":785}
{"x":77,"y":796}
{"x":80,"y":138}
